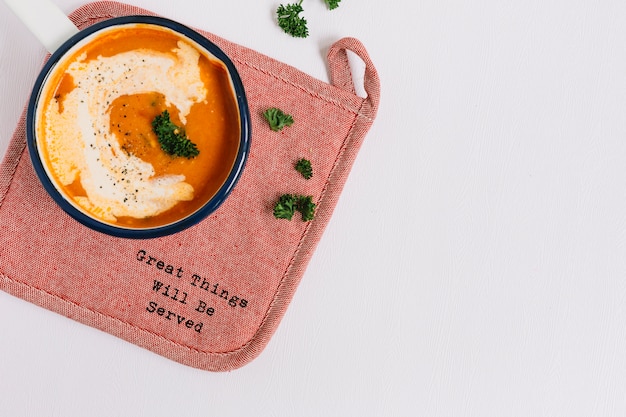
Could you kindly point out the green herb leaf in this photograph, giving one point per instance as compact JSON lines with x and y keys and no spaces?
{"x":172,"y":138}
{"x":288,"y":204}
{"x":285,"y":207}
{"x":290,"y":21}
{"x":277,"y":119}
{"x":332,"y":4}
{"x":303,"y":166}
{"x":306,"y":207}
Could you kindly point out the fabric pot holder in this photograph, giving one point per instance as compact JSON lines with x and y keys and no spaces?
{"x":211,"y":296}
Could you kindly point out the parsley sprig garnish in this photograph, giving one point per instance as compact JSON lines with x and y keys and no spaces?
{"x":172,"y":138}
{"x":292,"y":23}
{"x":303,"y":166}
{"x":306,"y":207}
{"x":288,"y":204}
{"x":277,"y":119}
{"x":332,"y":4}
{"x":285,"y":207}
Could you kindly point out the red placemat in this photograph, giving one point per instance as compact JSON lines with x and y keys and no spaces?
{"x":211,"y":296}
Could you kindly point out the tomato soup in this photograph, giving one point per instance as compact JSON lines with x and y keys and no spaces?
{"x":95,"y":125}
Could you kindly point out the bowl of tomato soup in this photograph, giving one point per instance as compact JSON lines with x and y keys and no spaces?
{"x":138,"y":127}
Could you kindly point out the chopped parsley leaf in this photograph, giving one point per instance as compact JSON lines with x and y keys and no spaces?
{"x":288,"y":204}
{"x":277,"y":119}
{"x":303,"y":166}
{"x":172,"y":138}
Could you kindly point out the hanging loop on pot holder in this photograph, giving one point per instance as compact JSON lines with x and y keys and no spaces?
{"x":341,"y":73}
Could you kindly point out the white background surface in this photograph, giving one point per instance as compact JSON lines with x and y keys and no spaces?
{"x":475,"y":264}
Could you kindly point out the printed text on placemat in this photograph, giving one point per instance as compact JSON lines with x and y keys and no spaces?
{"x":193,"y":293}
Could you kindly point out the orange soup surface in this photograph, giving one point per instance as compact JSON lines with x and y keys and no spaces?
{"x":95,"y":126}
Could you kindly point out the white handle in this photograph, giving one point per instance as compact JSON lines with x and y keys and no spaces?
{"x":45,"y":20}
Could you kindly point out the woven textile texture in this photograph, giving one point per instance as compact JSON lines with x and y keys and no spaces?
{"x":232,"y":275}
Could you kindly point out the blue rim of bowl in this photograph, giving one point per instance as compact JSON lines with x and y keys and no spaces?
{"x":193,"y":218}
